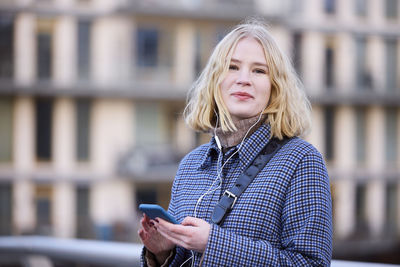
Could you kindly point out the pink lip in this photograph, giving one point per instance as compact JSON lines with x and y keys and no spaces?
{"x":242,"y":95}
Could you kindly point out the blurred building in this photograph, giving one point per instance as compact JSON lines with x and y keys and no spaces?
{"x":92,"y":92}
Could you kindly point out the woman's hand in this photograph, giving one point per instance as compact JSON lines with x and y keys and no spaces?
{"x":153,"y":240}
{"x":192,"y":234}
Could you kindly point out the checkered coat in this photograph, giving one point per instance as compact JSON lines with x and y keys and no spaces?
{"x":282,"y":219}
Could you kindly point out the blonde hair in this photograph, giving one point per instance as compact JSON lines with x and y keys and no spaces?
{"x":288,"y":111}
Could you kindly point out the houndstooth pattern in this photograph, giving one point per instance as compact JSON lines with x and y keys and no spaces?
{"x":282,"y":219}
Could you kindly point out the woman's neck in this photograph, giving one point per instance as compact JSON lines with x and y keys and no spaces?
{"x":230,"y":139}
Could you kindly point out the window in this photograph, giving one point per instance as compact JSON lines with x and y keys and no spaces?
{"x":43,"y":201}
{"x":297,"y":47}
{"x":44,"y":48}
{"x":84,"y":50}
{"x":391,"y":8}
{"x":151,"y":127}
{"x":329,"y":67}
{"x":329,"y":6}
{"x":6,"y":46}
{"x":391,"y":65}
{"x":391,"y":208}
{"x":361,"y":210}
{"x":147,"y":47}
{"x":44,"y":56}
{"x":146,"y":195}
{"x":361,"y":139}
{"x":5,"y":209}
{"x":6,"y":126}
{"x":205,"y":40}
{"x":84,"y":227}
{"x":329,"y":132}
{"x":83,"y":129}
{"x":361,"y":7}
{"x":154,"y":53}
{"x":391,"y":136}
{"x":329,"y":64}
{"x":44,"y":108}
{"x":198,"y":63}
{"x":363,"y":77}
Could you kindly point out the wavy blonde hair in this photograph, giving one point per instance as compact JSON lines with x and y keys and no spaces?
{"x":288,"y":111}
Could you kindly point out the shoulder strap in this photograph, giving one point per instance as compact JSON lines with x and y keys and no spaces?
{"x":230,"y":196}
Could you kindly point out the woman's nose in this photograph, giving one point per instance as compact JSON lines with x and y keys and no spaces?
{"x":243,"y":78}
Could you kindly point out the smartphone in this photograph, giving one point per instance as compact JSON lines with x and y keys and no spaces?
{"x":154,"y":211}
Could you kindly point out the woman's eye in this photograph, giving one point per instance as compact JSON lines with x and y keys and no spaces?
{"x":261,"y":71}
{"x":233,"y":67}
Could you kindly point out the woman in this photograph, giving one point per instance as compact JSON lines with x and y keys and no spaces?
{"x":247,"y":94}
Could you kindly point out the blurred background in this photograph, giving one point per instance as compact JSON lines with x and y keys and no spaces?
{"x":92,"y":94}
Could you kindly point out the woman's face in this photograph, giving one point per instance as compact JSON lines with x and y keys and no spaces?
{"x":246,"y":88}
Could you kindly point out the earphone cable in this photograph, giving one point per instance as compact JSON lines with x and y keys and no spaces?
{"x":219,"y":172}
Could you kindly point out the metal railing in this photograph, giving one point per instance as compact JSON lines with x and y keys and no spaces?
{"x":35,"y":251}
{"x":20,"y":249}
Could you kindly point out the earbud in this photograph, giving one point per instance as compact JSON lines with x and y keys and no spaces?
{"x":219,"y":170}
{"x":215,"y":131}
{"x":218,"y":142}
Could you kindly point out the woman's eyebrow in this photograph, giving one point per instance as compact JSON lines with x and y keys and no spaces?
{"x":234,"y":60}
{"x":260,"y":64}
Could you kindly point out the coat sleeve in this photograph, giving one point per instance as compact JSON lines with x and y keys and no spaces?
{"x":146,"y":260}
{"x":306,"y":223}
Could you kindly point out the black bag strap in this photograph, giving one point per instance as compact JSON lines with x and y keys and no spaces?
{"x":230,"y":196}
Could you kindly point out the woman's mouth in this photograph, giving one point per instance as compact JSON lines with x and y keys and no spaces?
{"x":242,"y":95}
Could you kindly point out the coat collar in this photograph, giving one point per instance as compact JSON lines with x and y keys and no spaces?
{"x":245,"y":126}
{"x":251,"y":146}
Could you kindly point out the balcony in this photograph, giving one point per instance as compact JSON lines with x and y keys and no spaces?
{"x":137,"y":90}
{"x":193,"y":9}
{"x":357,"y":97}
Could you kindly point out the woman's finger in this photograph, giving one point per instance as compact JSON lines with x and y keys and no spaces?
{"x":142,"y":234}
{"x":192,"y":221}
{"x":193,"y":235}
{"x":146,"y":226}
{"x":183,"y":239}
{"x":147,"y":223}
{"x":167,"y":227}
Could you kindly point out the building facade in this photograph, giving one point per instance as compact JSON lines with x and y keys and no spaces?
{"x":92,"y":93}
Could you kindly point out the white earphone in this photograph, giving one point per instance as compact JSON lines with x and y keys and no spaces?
{"x":218,"y":178}
{"x":210,"y":190}
{"x":218,"y":142}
